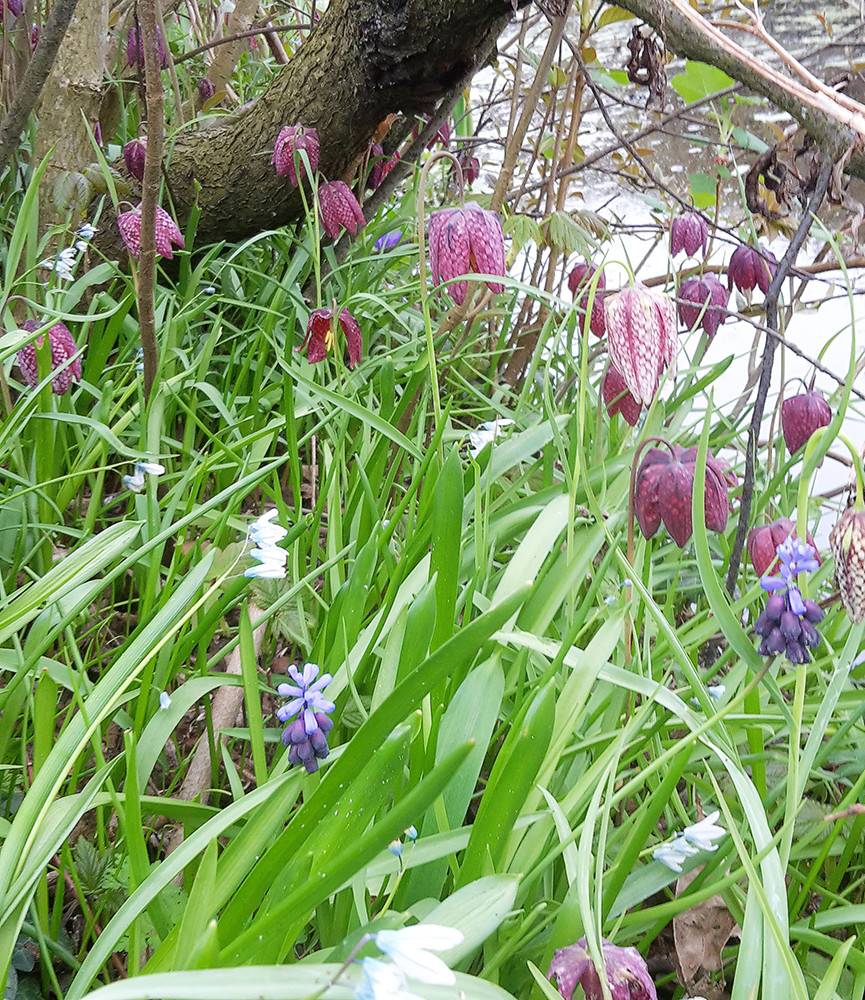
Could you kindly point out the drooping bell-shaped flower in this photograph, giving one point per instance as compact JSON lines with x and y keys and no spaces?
{"x":376,"y":166}
{"x":580,"y":279}
{"x":627,"y":973}
{"x":168,"y":235}
{"x":135,"y":48}
{"x":292,"y":139}
{"x":802,"y":416}
{"x":617,"y":398}
{"x":15,"y":7}
{"x":847,"y":539}
{"x":641,"y":331}
{"x":467,"y":240}
{"x":763,"y":542}
{"x":664,"y":490}
{"x":470,"y":165}
{"x":206,"y":89}
{"x":339,"y":209}
{"x":689,"y":232}
{"x":443,"y":135}
{"x":320,"y":330}
{"x":751,"y":268}
{"x":703,"y":299}
{"x":63,"y":347}
{"x":134,"y":153}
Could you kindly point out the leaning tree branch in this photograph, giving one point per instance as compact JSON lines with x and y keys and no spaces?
{"x":38,"y":71}
{"x":767,"y":363}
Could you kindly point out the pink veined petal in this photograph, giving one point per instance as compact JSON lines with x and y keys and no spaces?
{"x":353,"y":338}
{"x":129,"y":224}
{"x":666,"y":315}
{"x":454,"y":253}
{"x":635,"y":344}
{"x":486,"y":242}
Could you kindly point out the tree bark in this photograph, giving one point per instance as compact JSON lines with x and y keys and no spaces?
{"x":227,"y":55}
{"x":365,"y":60}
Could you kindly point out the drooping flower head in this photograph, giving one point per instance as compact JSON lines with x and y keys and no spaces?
{"x":467,"y":240}
{"x":579,"y":279}
{"x":15,"y":7}
{"x":292,"y":139}
{"x":626,"y":969}
{"x":700,"y":836}
{"x":167,"y":233}
{"x":641,"y":332}
{"x":443,"y":135}
{"x":377,"y":164}
{"x":320,"y":330}
{"x":135,"y":48}
{"x":339,"y":209}
{"x":470,"y":165}
{"x":617,"y":398}
{"x":751,"y":268}
{"x":847,"y":539}
{"x":788,"y":623}
{"x":134,"y":153}
{"x":306,"y":736}
{"x":689,"y":232}
{"x":763,"y":542}
{"x":703,"y":299}
{"x":664,"y":491}
{"x":63,"y":347}
{"x":206,"y":89}
{"x":137,"y":480}
{"x":802,"y":416}
{"x":266,"y":533}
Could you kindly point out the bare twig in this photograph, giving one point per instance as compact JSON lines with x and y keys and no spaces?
{"x":38,"y":71}
{"x":767,"y":363}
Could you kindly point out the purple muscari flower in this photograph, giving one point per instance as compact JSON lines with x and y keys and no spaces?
{"x":703,"y":299}
{"x":388,"y":241}
{"x":627,"y":973}
{"x":689,"y":232}
{"x":788,"y":623}
{"x":306,"y":736}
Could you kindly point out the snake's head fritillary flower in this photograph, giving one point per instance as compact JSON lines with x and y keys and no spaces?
{"x":617,"y":398}
{"x":470,"y":165}
{"x":389,"y":241}
{"x":751,"y":268}
{"x":802,"y":416}
{"x":339,"y":209}
{"x":847,"y":539}
{"x":377,"y":164}
{"x":665,"y":488}
{"x":167,"y":234}
{"x":763,"y":542}
{"x":306,"y":736}
{"x":641,"y":332}
{"x":579,"y":280}
{"x":703,"y":299}
{"x":206,"y":89}
{"x":788,"y":623}
{"x":292,"y":139}
{"x":63,"y":347}
{"x":135,"y":48}
{"x":626,"y":969}
{"x":466,"y":240}
{"x":134,"y":153}
{"x":689,"y":232}
{"x":15,"y":7}
{"x":443,"y":135}
{"x":320,"y":329}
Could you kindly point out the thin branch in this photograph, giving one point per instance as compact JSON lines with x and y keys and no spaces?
{"x":250,"y":33}
{"x":38,"y":71}
{"x":767,"y":363}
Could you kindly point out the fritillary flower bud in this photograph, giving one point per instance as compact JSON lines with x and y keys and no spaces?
{"x":63,"y":347}
{"x":626,"y":969}
{"x":751,"y":268}
{"x":339,"y":209}
{"x":134,"y":153}
{"x":641,"y":331}
{"x":167,"y":233}
{"x":470,"y":165}
{"x":664,"y":489}
{"x":206,"y":89}
{"x":763,"y":542}
{"x":320,"y":336}
{"x":802,"y":416}
{"x":135,"y":48}
{"x":292,"y":139}
{"x":703,"y":299}
{"x":689,"y":232}
{"x":617,"y":399}
{"x":847,"y":539}
{"x":580,"y":278}
{"x":466,"y":240}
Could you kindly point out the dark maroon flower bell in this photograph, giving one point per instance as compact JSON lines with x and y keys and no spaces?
{"x":471,"y":166}
{"x":763,"y":542}
{"x":134,"y":153}
{"x":580,"y":278}
{"x":320,"y":335}
{"x":751,"y":268}
{"x":627,"y":973}
{"x":802,"y":416}
{"x":703,"y":299}
{"x":689,"y":232}
{"x":665,"y":487}
{"x":617,"y":397}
